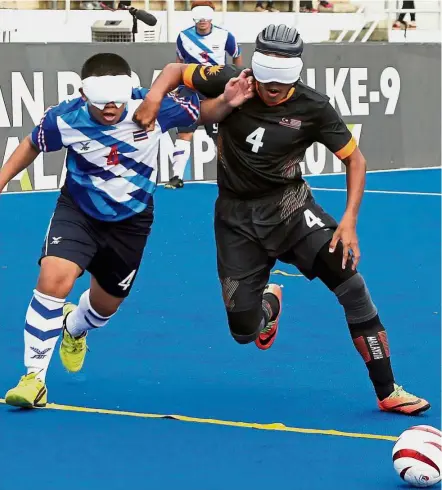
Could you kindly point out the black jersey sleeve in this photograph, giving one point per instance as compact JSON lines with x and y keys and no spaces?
{"x":209,"y":80}
{"x":334,"y":134}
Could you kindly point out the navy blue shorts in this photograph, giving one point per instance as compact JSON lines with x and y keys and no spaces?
{"x":110,"y":251}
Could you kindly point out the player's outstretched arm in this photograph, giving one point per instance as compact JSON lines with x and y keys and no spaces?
{"x":210,"y":81}
{"x":214,"y":110}
{"x":20,"y":159}
{"x":169,"y":79}
{"x":237,"y":91}
{"x":333,"y":133}
{"x":355,"y":168}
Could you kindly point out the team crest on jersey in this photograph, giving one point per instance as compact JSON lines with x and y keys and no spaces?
{"x":140,"y":135}
{"x":290,"y":123}
{"x":205,"y":56}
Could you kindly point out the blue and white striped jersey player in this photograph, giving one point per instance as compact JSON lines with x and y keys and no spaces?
{"x":203,"y":44}
{"x":104,"y":212}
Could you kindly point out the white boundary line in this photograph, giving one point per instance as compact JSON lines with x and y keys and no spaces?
{"x":404,"y":193}
{"x":366,"y":191}
{"x":400,"y":193}
{"x":343,"y":173}
{"x":378,"y":171}
{"x":305,"y":176}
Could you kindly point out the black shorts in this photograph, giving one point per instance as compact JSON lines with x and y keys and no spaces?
{"x":211,"y":129}
{"x":110,"y":251}
{"x":252,"y":235}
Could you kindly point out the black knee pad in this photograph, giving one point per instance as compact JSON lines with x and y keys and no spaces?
{"x":245,"y":325}
{"x":356,"y":300}
{"x":328,"y":266}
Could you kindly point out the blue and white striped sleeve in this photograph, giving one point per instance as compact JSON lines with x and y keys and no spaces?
{"x":232,"y":46}
{"x":46,"y":136}
{"x":139,"y":93}
{"x":180,"y":51}
{"x":178,"y":111}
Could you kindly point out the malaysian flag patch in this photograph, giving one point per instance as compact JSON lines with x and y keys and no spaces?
{"x":140,"y":135}
{"x":290,"y":123}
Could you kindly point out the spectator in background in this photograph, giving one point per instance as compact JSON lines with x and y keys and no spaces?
{"x":203,"y":44}
{"x":269,"y":8}
{"x":400,"y":23}
{"x":98,"y":4}
{"x":304,"y":6}
{"x":90,"y":5}
{"x":307,"y":5}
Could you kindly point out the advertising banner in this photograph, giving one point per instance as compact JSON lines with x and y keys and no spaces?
{"x":389,"y":95}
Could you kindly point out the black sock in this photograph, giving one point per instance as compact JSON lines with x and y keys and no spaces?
{"x":270,"y":307}
{"x":370,"y":339}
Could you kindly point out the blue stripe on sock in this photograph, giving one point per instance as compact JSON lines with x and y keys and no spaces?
{"x":99,"y":318}
{"x":50,"y":334}
{"x":46,"y":313}
{"x":90,"y":323}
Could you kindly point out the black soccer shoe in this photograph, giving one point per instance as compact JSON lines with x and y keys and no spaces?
{"x":174,"y":183}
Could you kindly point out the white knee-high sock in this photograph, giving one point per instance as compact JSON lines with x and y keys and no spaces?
{"x":181,"y":154}
{"x":84,"y":317}
{"x":44,"y":321}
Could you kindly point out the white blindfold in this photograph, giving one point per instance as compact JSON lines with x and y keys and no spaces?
{"x":109,"y":88}
{"x":136,"y":83}
{"x":275,"y":69}
{"x":202,"y":12}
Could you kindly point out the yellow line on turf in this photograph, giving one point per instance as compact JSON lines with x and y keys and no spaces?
{"x":283,"y":273}
{"x":247,"y":425}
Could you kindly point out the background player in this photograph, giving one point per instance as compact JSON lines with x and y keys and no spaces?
{"x":104,"y":213}
{"x":265,"y":210}
{"x":204,"y":44}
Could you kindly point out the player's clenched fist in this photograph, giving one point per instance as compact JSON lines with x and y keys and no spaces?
{"x":147,"y":112}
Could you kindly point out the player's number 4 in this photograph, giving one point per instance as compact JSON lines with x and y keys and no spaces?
{"x":255,"y":139}
{"x":125,"y":283}
{"x":312,"y":220}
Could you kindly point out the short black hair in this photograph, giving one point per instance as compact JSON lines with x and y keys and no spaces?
{"x":102,"y":64}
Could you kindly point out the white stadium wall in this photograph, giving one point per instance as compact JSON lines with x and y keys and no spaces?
{"x":30,"y":26}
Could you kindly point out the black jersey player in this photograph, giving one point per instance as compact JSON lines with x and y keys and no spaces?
{"x":265,"y":211}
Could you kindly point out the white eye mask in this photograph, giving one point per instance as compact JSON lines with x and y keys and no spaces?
{"x":109,"y":88}
{"x":202,"y":12}
{"x":136,"y":83}
{"x":274,"y":69}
